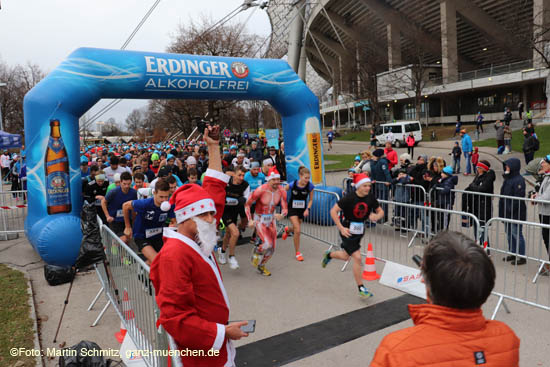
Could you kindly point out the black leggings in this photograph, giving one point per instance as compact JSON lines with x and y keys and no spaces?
{"x":545,"y":219}
{"x":410,"y":150}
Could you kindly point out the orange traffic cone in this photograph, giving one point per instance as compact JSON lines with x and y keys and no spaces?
{"x":369,"y":272}
{"x":119,"y":335}
{"x":128,"y":314}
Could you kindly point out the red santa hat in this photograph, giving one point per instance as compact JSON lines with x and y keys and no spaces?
{"x":359,"y":179}
{"x":191,"y":200}
{"x":272,"y":173}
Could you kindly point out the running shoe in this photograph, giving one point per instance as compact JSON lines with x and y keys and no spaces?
{"x":264,"y":271}
{"x":233,"y":264}
{"x":285,"y":234}
{"x":326,"y":259}
{"x":299,"y":256}
{"x":221,"y":257}
{"x":255,"y":258}
{"x":364,"y":292}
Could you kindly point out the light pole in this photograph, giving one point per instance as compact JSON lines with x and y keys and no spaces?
{"x":1,"y":125}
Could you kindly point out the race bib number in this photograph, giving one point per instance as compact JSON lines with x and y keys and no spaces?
{"x":356,"y":227}
{"x":151,"y":232}
{"x":298,"y":204}
{"x":266,"y":219}
{"x":119,"y":213}
{"x":231,"y":201}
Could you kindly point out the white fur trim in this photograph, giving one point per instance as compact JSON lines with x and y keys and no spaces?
{"x":220,"y":336}
{"x":194,"y":209}
{"x":364,"y":180}
{"x":171,"y":232}
{"x":217,"y":174}
{"x":272,"y":176}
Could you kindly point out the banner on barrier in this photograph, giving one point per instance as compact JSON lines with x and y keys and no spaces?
{"x":403,"y":278}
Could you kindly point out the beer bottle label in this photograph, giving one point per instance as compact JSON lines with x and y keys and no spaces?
{"x":57,"y":189}
{"x":56,"y":144}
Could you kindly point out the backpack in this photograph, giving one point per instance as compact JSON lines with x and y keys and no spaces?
{"x":536,"y":144}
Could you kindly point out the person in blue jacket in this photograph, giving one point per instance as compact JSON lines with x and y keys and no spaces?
{"x":445,"y":197}
{"x":381,"y":178}
{"x":467,"y":148}
{"x":513,"y":185}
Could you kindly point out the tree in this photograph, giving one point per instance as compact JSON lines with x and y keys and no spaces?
{"x":230,"y":40}
{"x":111,"y":128}
{"x":134,"y":122}
{"x":19,"y":80}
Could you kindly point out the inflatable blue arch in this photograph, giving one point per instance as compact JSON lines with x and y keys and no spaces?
{"x":89,"y":75}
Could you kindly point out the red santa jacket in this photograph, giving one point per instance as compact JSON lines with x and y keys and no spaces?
{"x":194,"y":307}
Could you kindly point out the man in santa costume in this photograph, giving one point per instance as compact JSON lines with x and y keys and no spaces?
{"x":194,"y":308}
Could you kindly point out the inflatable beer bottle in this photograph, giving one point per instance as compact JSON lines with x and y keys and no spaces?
{"x":58,"y":193}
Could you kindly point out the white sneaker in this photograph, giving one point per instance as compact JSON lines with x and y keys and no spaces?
{"x":221,"y":257}
{"x":233,"y":264}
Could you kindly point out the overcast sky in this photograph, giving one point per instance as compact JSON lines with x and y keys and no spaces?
{"x":44,"y":32}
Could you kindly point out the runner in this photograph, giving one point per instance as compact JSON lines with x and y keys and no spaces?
{"x":150,"y":218}
{"x":236,"y":194}
{"x":267,"y":197}
{"x":95,"y":191}
{"x":255,"y":179}
{"x":299,"y":191}
{"x":330,"y":136}
{"x":113,"y":201}
{"x":357,"y":207}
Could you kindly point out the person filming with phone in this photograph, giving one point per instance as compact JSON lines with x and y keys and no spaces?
{"x":450,"y":330}
{"x":193,"y":303}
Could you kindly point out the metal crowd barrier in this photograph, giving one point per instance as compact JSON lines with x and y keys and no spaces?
{"x":13,"y":211}
{"x":125,"y":281}
{"x":516,"y":282}
{"x":319,"y":225}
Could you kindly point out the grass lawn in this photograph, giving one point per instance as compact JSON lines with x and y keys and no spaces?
{"x":442,"y":132}
{"x":345,"y":161}
{"x":543,"y":134}
{"x":16,"y":327}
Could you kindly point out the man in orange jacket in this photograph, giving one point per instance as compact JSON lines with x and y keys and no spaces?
{"x":450,"y":330}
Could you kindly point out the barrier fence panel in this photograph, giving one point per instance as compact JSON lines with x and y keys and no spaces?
{"x":128,"y":287}
{"x":13,"y":211}
{"x":319,"y":225}
{"x":520,"y":257}
{"x":486,"y":206}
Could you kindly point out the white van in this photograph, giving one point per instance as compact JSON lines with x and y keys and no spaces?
{"x":400,"y":131}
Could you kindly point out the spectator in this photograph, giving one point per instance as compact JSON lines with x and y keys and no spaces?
{"x":456,"y":153}
{"x":450,"y":329}
{"x":256,"y":153}
{"x":373,"y":140}
{"x":402,"y":194}
{"x":381,"y":178}
{"x":479,"y":122}
{"x":391,"y":155}
{"x":499,"y":127}
{"x":389,"y":136}
{"x":5,"y":163}
{"x":467,"y":149}
{"x":410,"y":144}
{"x":520,"y":109}
{"x":480,"y":205}
{"x":513,"y":185}
{"x":458,"y":127}
{"x":475,"y":157}
{"x":444,"y":198}
{"x":507,"y":140}
{"x":507,"y":116}
{"x":365,"y":165}
{"x":529,"y":146}
{"x":543,"y":193}
{"x":417,"y":195}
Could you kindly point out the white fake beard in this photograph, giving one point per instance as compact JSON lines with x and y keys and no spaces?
{"x":206,"y":235}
